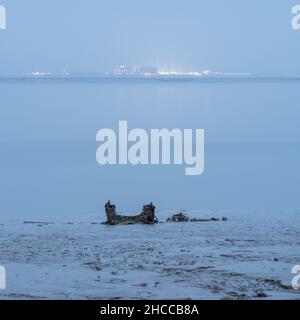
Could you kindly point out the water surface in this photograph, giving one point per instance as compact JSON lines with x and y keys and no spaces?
{"x":48,"y":147}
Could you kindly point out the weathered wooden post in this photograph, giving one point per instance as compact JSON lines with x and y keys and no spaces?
{"x":148,"y":214}
{"x":110,"y":210}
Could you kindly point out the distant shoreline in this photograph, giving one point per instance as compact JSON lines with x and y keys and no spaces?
{"x":148,"y":78}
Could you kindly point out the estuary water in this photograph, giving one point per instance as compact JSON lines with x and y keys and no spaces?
{"x":48,"y":144}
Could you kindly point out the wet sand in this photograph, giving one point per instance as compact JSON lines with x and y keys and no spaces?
{"x":250,"y":256}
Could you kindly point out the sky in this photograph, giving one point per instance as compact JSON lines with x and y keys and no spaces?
{"x":93,"y":36}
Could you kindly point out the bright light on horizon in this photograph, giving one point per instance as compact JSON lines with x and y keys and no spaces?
{"x":175,"y":72}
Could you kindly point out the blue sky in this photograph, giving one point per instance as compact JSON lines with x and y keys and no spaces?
{"x":94,"y":35}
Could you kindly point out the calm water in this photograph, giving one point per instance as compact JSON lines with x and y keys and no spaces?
{"x":48,"y":147}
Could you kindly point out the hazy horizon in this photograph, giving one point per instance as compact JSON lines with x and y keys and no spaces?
{"x":232,"y":37}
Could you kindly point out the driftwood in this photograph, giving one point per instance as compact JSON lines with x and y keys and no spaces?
{"x":147,"y":216}
{"x":205,"y":220}
{"x":181,"y":217}
{"x":208,"y":220}
{"x":178,"y":217}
